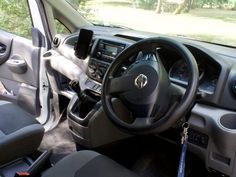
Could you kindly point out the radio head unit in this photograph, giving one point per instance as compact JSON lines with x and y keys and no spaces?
{"x":107,"y":50}
{"x":104,"y":52}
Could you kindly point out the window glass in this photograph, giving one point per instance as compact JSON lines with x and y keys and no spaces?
{"x":15,"y":17}
{"x":205,"y":20}
{"x":60,"y":28}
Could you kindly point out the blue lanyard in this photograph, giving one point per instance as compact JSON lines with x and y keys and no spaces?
{"x":182,"y":160}
{"x":184,"y":142}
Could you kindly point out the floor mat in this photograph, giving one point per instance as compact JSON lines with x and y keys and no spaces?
{"x":161,"y":159}
{"x":60,"y":141}
{"x":166,"y":165}
{"x":154,"y":164}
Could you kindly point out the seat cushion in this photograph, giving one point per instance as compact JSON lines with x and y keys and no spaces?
{"x":20,"y":133}
{"x":88,"y":164}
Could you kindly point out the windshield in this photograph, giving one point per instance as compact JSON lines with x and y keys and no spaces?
{"x":205,"y":20}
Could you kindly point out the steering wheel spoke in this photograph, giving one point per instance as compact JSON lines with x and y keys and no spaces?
{"x":119,"y":85}
{"x":177,"y":90}
{"x":142,"y":122}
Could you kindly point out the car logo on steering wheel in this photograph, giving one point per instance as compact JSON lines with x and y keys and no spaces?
{"x":140,"y":81}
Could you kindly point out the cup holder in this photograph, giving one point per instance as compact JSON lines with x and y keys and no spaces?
{"x":229,"y":121}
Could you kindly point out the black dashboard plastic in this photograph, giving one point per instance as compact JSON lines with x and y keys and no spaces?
{"x":209,"y":70}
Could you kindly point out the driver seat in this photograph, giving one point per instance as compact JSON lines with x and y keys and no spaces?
{"x":88,"y":163}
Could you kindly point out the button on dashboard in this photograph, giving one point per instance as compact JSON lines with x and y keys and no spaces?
{"x":91,"y":70}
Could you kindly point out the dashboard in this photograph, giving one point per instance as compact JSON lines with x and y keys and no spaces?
{"x":216,"y":64}
{"x":209,"y":70}
{"x":105,"y":49}
{"x":214,"y":112}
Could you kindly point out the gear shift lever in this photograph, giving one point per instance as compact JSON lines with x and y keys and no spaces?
{"x":75,"y":86}
{"x":86,"y":99}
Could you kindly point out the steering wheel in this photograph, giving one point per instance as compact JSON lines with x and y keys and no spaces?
{"x":145,"y":89}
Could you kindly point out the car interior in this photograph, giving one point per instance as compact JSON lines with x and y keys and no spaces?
{"x":116,"y":102}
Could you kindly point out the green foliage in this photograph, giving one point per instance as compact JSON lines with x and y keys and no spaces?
{"x":76,"y":3}
{"x":82,"y":7}
{"x":146,"y":4}
{"x":169,"y":7}
{"x":15,"y":18}
{"x":233,"y":3}
{"x":60,"y":28}
{"x":211,"y":3}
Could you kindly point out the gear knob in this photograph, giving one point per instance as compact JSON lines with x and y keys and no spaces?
{"x":75,"y":86}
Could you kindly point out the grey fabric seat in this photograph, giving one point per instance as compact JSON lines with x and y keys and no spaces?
{"x":20,"y":133}
{"x":87,"y":164}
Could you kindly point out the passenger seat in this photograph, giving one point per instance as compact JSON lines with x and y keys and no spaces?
{"x":20,"y":133}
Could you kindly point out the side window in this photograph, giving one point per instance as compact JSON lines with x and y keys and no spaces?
{"x":15,"y":17}
{"x":60,"y":27}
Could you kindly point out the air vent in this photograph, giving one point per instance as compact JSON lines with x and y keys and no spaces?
{"x":128,"y":37}
{"x":56,"y":41}
{"x":233,"y":87}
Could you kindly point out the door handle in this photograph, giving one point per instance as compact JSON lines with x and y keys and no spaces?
{"x":17,"y":65}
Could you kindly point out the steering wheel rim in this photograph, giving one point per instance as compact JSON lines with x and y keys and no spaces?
{"x":180,"y":110}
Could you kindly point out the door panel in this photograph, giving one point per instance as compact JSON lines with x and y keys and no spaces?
{"x":19,"y":71}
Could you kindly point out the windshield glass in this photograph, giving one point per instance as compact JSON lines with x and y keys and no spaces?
{"x":205,"y":20}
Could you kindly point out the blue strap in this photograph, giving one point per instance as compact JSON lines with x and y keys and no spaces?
{"x":182,"y":160}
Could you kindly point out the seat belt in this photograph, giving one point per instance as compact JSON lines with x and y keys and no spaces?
{"x":184,"y":142}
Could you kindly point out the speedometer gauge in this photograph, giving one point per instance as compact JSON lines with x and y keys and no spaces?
{"x":180,"y":72}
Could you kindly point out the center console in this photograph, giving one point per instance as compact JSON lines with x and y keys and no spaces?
{"x":102,"y":55}
{"x":88,"y":123}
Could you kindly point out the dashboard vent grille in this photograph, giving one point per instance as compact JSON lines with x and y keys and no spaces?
{"x":56,"y":41}
{"x":128,"y":37}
